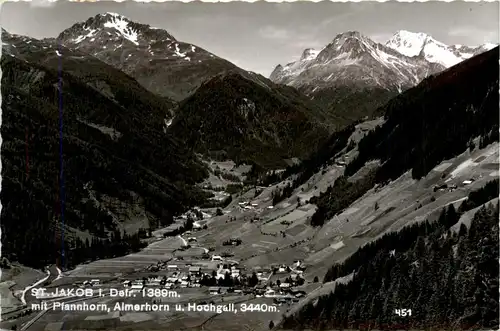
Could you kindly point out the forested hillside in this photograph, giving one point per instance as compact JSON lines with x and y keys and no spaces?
{"x":448,"y":280}
{"x":78,"y":150}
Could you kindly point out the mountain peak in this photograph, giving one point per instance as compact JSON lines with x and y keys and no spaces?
{"x":114,"y":25}
{"x":408,"y":43}
{"x":420,"y":44}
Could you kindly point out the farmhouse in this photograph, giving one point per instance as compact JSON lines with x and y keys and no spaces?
{"x":216,"y":258}
{"x":214,"y":290}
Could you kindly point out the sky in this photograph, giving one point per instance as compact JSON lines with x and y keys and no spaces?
{"x":258,"y":36}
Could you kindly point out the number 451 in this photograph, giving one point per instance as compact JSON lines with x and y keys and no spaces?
{"x":403,"y":312}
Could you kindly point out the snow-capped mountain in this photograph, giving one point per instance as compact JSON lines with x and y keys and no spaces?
{"x":354,"y":59}
{"x":153,"y":56}
{"x":354,"y":75}
{"x":415,"y":44}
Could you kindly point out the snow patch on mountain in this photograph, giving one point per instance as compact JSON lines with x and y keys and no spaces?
{"x":79,"y":39}
{"x":420,"y":44}
{"x":178,"y":51}
{"x":120,"y":23}
{"x":407,"y":43}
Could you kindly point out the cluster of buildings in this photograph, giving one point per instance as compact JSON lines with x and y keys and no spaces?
{"x":246,"y":205}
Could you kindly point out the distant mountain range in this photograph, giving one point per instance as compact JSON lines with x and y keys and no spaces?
{"x":353,"y":75}
{"x":404,"y":60}
{"x":204,"y":95}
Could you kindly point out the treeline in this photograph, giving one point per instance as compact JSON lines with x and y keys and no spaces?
{"x":325,"y":156}
{"x":435,"y":120}
{"x":187,"y":226}
{"x":480,"y":196}
{"x":448,"y":280}
{"x":339,"y":196}
{"x":215,"y":203}
{"x":78,"y":251}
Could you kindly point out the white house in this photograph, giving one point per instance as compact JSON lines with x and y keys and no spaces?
{"x":270,"y":293}
{"x":216,"y":258}
{"x":136,"y":286}
{"x":172,"y":280}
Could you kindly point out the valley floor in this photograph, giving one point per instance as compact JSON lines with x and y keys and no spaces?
{"x":272,"y":237}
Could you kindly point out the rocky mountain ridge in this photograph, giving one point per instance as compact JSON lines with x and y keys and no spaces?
{"x":155,"y":58}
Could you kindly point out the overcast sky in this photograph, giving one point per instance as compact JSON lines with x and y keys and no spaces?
{"x":258,"y":36}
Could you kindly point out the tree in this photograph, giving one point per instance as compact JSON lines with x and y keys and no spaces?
{"x":271,"y":325}
{"x":254,"y":280}
{"x":219,"y":212}
{"x":316,"y":279}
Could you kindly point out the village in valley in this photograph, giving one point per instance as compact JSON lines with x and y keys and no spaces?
{"x":254,"y":251}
